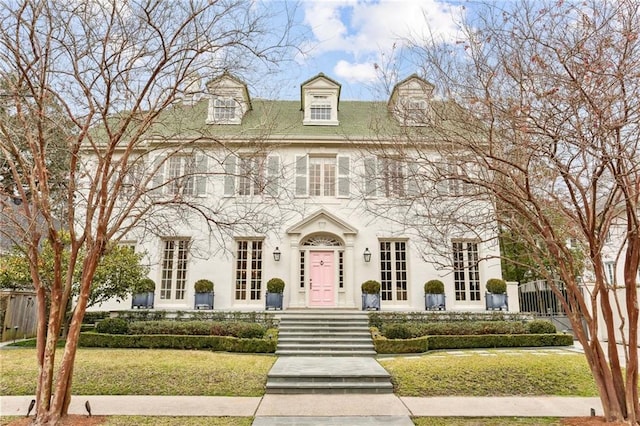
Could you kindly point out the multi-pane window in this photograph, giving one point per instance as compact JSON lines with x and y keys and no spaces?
{"x":251,"y":179}
{"x":322,"y":176}
{"x":466,"y":274}
{"x":341,"y":269}
{"x":393,"y":175}
{"x":224,"y":109}
{"x":251,"y":174}
{"x":174,"y":269}
{"x":248,"y":270}
{"x":610,"y":271}
{"x":131,"y":180}
{"x":393,"y":270}
{"x":320,"y":108}
{"x":302,"y":268}
{"x":181,"y":179}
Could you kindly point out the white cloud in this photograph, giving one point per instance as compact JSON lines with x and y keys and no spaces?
{"x":350,"y":36}
{"x":364,"y":72}
{"x":362,"y":27}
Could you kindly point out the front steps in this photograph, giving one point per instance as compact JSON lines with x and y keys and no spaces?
{"x":326,"y":352}
{"x":324,"y":333}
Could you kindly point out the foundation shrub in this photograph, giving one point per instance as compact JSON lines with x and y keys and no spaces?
{"x":199,"y":328}
{"x":499,"y":341}
{"x":401,"y":346}
{"x":113,"y":326}
{"x":410,"y":330}
{"x":541,"y":327}
{"x":213,"y":343}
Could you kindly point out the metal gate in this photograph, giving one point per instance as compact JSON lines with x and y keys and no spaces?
{"x":536,"y":297}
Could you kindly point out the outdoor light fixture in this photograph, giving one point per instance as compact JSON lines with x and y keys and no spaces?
{"x":367,"y":255}
{"x":276,"y":254}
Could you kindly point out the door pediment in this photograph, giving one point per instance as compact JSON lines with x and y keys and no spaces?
{"x":322,"y":221}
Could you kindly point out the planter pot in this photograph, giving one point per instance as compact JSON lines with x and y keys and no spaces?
{"x":273,"y":301}
{"x":496,"y":302}
{"x":203,"y":301}
{"x":142,"y":301}
{"x":370,"y":302}
{"x":434,"y":302}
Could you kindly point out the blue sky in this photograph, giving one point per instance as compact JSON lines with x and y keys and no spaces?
{"x":345,"y":39}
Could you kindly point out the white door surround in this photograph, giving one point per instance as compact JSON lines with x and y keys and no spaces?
{"x":321,"y":237}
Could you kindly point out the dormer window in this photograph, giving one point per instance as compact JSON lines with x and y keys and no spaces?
{"x":320,"y":98}
{"x":409,"y":101}
{"x":228,"y":100}
{"x":321,"y":108}
{"x":224,"y":109}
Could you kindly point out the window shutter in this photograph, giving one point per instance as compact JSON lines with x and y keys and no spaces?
{"x":273,"y":172}
{"x":230,"y":176}
{"x":201,"y":174}
{"x":370,"y":177}
{"x":413,"y":178}
{"x":157,"y":180}
{"x":301,"y":176}
{"x":344,"y":180}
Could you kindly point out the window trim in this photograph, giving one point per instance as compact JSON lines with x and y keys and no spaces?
{"x":249,"y":293}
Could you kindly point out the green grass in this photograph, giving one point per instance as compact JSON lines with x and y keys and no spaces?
{"x":485,"y":421}
{"x":145,"y":372}
{"x":503,"y":375}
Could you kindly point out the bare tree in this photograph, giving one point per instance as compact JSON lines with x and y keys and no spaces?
{"x":110,"y":79}
{"x":537,"y":115}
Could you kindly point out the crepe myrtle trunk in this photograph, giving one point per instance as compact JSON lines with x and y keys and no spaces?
{"x":52,"y":406}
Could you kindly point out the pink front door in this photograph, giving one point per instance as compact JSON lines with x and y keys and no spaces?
{"x":321,"y":279}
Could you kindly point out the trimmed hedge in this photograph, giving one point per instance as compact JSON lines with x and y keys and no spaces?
{"x":411,"y":330}
{"x":213,"y":343}
{"x":402,"y":346}
{"x":113,"y":326}
{"x":378,"y":319}
{"x":423,"y":344}
{"x":199,"y":328}
{"x":541,"y":327}
{"x":499,"y":341}
{"x":267,"y":319}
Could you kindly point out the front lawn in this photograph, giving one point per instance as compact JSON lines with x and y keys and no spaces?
{"x":145,"y":372}
{"x":491,"y":373}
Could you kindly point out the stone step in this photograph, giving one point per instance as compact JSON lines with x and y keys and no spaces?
{"x":321,"y":340}
{"x":320,"y":352}
{"x":323,"y":323}
{"x":302,"y":387}
{"x":299,"y":375}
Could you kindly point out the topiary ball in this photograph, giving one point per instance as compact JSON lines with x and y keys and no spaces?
{"x":371,"y":287}
{"x":146,"y":285}
{"x":434,"y":287}
{"x":203,"y":286}
{"x":275,"y":285}
{"x":496,"y":286}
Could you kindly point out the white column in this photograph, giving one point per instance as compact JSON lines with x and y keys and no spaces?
{"x":350,"y":272}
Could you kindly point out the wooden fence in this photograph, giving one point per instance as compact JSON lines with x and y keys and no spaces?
{"x":18,"y":314}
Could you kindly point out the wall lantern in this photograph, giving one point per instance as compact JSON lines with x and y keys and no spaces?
{"x":367,"y":255}
{"x":276,"y":254}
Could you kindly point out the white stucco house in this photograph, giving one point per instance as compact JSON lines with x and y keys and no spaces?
{"x":311,"y":177}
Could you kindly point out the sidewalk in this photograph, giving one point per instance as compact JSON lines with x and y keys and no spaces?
{"x":276,"y":406}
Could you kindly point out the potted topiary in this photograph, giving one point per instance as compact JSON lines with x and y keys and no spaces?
{"x":434,"y":298}
{"x":143,"y":294}
{"x":204,"y":294}
{"x":275,"y":288}
{"x":496,"y":296}
{"x":370,"y":295}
